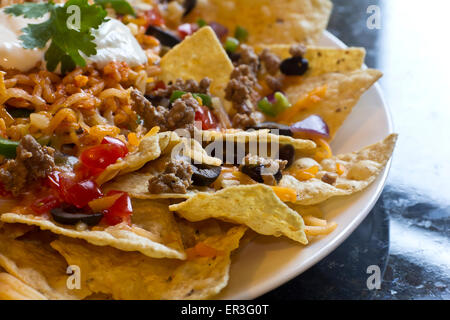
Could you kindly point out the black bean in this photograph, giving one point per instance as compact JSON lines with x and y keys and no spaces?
{"x":275,"y":128}
{"x":166,"y":38}
{"x":295,"y":66}
{"x":189,"y":5}
{"x":204,"y":175}
{"x":68,"y":218}
{"x":287,"y":152}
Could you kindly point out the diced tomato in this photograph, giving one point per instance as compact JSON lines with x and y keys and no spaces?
{"x":104,"y":154}
{"x":159,"y":85}
{"x":44,"y":205}
{"x":206,"y":117}
{"x":120,"y":211}
{"x":153,"y":18}
{"x":118,"y":144}
{"x":79,"y":193}
{"x":186,"y":29}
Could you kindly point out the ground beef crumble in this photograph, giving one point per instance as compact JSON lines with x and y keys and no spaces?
{"x":297,"y":50}
{"x":329,"y":178}
{"x":176,"y":178}
{"x":187,"y":86}
{"x":32,"y":163}
{"x":180,"y":116}
{"x":271,"y":61}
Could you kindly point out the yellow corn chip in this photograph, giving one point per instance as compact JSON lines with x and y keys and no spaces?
{"x":260,"y":136}
{"x":150,"y":148}
{"x":323,"y":60}
{"x":12,"y":288}
{"x":268,"y":21}
{"x":120,"y":236}
{"x":199,"y":56}
{"x":39,"y":266}
{"x":129,"y":275}
{"x":255,"y":206}
{"x":361,"y":169}
{"x":342,"y":94}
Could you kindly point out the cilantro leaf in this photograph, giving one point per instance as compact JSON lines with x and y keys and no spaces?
{"x":120,"y":6}
{"x":30,"y":10}
{"x":36,"y":35}
{"x":66,"y":44}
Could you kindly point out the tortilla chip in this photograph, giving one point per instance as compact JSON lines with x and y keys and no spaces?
{"x":268,"y":21}
{"x":120,"y":236}
{"x":255,"y":206}
{"x":39,"y":266}
{"x":155,"y":218}
{"x":196,"y":57}
{"x":192,"y":149}
{"x":324,"y":60}
{"x":361,"y":169}
{"x":343,"y":92}
{"x":150,"y":148}
{"x":132,"y":276}
{"x":261,"y":136}
{"x":12,"y":288}
{"x":14,"y":230}
{"x":136,"y":185}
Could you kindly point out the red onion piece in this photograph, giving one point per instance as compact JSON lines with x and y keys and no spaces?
{"x":220,"y":30}
{"x":314,"y":125}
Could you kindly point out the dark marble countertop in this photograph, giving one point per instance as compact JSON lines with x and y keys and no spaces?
{"x":407,"y":233}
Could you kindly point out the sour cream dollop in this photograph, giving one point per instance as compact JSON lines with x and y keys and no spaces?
{"x":114,"y":41}
{"x":12,"y":54}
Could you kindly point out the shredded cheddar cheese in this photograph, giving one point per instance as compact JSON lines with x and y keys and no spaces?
{"x":285,"y":194}
{"x":305,"y":174}
{"x":308,"y":100}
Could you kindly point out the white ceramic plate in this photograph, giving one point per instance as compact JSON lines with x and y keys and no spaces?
{"x":268,"y":262}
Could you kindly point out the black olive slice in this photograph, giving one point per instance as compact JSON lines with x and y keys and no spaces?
{"x":254,"y":172}
{"x":204,"y":175}
{"x":64,"y":217}
{"x":165,"y":37}
{"x":287,"y":152}
{"x":189,"y":5}
{"x":295,"y":66}
{"x":275,"y":128}
{"x":278,"y":176}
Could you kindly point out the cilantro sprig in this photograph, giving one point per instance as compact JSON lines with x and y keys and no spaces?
{"x":66,"y":43}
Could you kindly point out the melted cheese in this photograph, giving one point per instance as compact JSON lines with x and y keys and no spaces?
{"x":113,"y":39}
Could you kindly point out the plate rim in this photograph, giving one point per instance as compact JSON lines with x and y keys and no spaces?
{"x":323,"y":252}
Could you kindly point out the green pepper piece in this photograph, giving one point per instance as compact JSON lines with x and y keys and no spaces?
{"x":8,"y":148}
{"x":177,"y":94}
{"x":206,"y":100}
{"x":281,"y":103}
{"x":201,"y":23}
{"x":241,"y":34}
{"x":231,"y":44}
{"x":266,"y":107}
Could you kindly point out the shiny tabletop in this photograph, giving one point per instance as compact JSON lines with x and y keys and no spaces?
{"x":406,"y":236}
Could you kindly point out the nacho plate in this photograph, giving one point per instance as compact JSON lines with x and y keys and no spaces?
{"x":120,"y":154}
{"x":277,"y":261}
